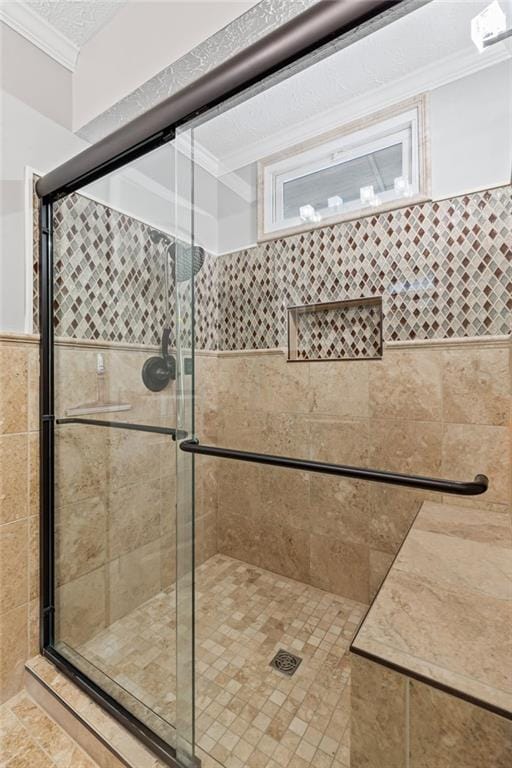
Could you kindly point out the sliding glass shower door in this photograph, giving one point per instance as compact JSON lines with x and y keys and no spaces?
{"x":272,"y":341}
{"x":344,"y":287}
{"x":121,"y":583}
{"x":189,"y":260}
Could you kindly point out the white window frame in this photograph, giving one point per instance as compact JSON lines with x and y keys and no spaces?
{"x":404,"y":124}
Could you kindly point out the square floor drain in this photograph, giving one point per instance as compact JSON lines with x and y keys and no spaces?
{"x":286,"y":662}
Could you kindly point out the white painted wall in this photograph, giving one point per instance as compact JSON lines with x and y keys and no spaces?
{"x":28,"y":138}
{"x":471,"y":132}
{"x":30,"y":75}
{"x":146,"y":191}
{"x":37,"y":99}
{"x":35,"y":113}
{"x":237,"y":215}
{"x":142,"y":39}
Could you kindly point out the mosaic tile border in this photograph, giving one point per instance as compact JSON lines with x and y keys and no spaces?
{"x":109,"y":275}
{"x":444,"y":270}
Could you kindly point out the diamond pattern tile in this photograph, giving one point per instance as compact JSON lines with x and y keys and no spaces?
{"x":444,"y":269}
{"x":341,"y":332}
{"x":109,"y":276}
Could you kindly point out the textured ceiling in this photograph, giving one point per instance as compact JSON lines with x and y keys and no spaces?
{"x":75,"y":19}
{"x":429,"y":35}
{"x":258,"y":21}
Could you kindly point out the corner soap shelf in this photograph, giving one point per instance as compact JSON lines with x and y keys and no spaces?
{"x":87,"y":408}
{"x":101,"y":404}
{"x":336,"y":330}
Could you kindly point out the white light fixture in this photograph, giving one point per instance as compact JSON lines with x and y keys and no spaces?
{"x":335,"y":202}
{"x":490,"y":23}
{"x":402,"y":187}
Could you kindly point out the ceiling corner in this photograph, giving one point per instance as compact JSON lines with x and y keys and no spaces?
{"x":26,"y":22}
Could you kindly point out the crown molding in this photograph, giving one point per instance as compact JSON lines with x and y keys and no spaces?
{"x":435,"y":75}
{"x":26,"y":22}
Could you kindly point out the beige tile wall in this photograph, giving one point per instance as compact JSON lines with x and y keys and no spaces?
{"x":19,"y":576}
{"x":439,"y":409}
{"x":115,"y":494}
{"x":109,"y":491}
{"x":407,"y":724}
{"x":115,"y":499}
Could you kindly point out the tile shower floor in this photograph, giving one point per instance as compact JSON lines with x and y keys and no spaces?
{"x":247,"y":713}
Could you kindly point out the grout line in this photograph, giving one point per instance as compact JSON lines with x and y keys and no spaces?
{"x":28,"y":559}
{"x":32,"y":740}
{"x":407,"y":723}
{"x":29,"y":739}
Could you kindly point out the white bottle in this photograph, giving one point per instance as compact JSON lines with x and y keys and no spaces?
{"x":100,"y":373}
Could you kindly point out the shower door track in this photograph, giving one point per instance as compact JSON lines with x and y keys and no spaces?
{"x":318,"y":26}
{"x":132,"y":724}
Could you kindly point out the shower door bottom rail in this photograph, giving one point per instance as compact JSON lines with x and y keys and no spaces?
{"x":472,"y":488}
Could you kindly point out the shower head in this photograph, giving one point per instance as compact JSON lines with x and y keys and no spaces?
{"x":190,"y":259}
{"x":158,"y":370}
{"x":189,"y":262}
{"x":158,"y":237}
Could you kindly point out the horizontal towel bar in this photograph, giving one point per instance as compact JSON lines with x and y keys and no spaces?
{"x":125,"y":425}
{"x":473,"y":488}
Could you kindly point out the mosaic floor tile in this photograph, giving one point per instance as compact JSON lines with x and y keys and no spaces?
{"x":248,"y":714}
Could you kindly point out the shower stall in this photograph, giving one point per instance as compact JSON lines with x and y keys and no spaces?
{"x":275,"y":315}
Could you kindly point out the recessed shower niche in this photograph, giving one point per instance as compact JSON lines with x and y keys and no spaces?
{"x":336,"y":330}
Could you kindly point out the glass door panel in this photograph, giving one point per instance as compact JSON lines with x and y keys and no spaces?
{"x":393,"y":302}
{"x":118,"y":601}
{"x":219,"y":585}
{"x":188,"y":260}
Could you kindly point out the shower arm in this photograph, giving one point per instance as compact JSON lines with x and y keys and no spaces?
{"x":166,"y":285}
{"x":472,"y":488}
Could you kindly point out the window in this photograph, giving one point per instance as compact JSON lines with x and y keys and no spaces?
{"x":353,"y":171}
